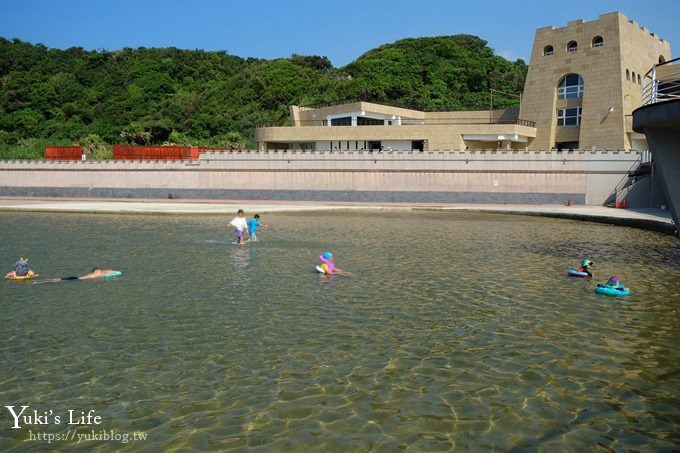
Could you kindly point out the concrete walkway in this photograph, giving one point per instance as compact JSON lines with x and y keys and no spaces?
{"x":652,"y":219}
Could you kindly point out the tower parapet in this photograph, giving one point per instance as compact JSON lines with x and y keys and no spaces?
{"x":585,"y":79}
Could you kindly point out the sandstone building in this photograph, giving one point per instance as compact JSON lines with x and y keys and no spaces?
{"x":584,"y":81}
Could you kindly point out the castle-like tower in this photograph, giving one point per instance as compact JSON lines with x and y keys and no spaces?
{"x":585,"y":80}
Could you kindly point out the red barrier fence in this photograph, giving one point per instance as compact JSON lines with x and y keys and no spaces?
{"x":134,"y":152}
{"x":63,"y":152}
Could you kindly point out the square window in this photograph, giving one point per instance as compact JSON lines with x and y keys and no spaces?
{"x":569,"y":117}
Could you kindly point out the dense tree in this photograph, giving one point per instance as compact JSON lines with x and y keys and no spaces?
{"x":439,"y":73}
{"x":213,"y":98}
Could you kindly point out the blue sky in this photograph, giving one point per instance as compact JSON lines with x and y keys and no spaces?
{"x":340,"y":30}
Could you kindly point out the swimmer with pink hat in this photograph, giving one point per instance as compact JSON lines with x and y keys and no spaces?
{"x":614,"y":282}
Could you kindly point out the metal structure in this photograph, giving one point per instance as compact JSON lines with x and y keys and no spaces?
{"x":662,"y":82}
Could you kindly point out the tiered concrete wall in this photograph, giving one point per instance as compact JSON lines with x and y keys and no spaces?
{"x":465,"y":176}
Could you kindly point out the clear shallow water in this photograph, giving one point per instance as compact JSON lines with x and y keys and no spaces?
{"x":456,"y":331}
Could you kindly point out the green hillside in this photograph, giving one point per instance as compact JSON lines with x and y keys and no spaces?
{"x":213,"y":98}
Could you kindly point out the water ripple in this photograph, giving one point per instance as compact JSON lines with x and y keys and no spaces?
{"x":457,"y":331}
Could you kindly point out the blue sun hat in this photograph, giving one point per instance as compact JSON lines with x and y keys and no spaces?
{"x":326,"y":256}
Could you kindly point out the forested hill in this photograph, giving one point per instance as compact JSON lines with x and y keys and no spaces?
{"x":212,"y":98}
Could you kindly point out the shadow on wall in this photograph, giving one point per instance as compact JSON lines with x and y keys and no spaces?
{"x":641,"y":191}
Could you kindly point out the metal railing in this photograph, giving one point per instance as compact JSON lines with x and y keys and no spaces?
{"x":662,"y":83}
{"x":646,"y":157}
{"x":622,"y":189}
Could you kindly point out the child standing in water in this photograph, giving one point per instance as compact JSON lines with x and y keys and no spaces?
{"x":253,"y":225}
{"x":239,"y":222}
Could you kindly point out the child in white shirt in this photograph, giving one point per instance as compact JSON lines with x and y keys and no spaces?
{"x":239,"y":222}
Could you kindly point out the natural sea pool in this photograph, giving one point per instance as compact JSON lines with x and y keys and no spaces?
{"x":456,"y":331}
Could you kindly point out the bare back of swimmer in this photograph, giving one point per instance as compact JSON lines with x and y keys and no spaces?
{"x":96,"y":272}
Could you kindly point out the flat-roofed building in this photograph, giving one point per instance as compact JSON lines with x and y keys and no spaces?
{"x":367,"y":126}
{"x":584,"y":81}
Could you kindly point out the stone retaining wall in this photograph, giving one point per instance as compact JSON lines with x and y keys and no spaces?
{"x":441,"y":177}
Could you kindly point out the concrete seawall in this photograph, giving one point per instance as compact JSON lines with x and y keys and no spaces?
{"x":528,"y":177}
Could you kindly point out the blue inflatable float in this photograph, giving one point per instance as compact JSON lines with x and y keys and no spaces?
{"x":572,"y":272}
{"x":611,"y":291}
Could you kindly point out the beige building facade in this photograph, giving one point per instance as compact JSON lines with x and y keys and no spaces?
{"x":585,"y":80}
{"x":583,"y":83}
{"x":365,"y":126}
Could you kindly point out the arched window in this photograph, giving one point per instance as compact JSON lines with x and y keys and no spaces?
{"x":570,"y":87}
{"x":639,"y":80}
{"x":548,"y":50}
{"x":572,"y":46}
{"x":627,"y":75}
{"x":661,"y":59}
{"x":598,"y":41}
{"x":633,"y":76}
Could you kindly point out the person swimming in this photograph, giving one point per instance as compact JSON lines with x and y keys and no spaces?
{"x":614,"y":283}
{"x":21,"y":271}
{"x":613,"y":287}
{"x":96,"y":272}
{"x":328,"y":265}
{"x":21,"y":267}
{"x":585,"y":266}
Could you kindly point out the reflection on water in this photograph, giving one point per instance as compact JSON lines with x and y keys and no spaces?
{"x":456,"y":331}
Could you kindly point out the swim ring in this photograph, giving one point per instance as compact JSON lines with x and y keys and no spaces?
{"x":611,"y":291}
{"x":572,"y":272}
{"x":13,"y":276}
